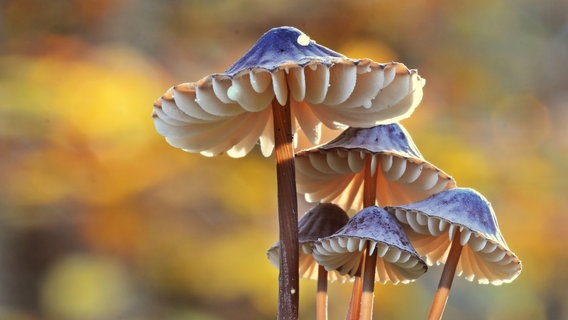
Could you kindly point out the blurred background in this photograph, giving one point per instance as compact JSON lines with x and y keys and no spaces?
{"x":101,"y":219}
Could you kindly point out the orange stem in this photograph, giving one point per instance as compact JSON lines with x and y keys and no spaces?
{"x":355,"y":304}
{"x":369,"y":199}
{"x":368,"y":285}
{"x":288,"y":280}
{"x":321,"y":296}
{"x":446,"y":280}
{"x":369,"y":184}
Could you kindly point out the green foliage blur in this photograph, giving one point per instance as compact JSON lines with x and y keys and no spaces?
{"x":101,"y":219}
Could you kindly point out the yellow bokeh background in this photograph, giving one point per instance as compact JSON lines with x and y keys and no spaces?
{"x":101,"y":219}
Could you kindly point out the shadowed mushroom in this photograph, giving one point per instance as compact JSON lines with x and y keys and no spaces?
{"x":374,"y":234}
{"x":284,"y":82}
{"x":465,"y":219}
{"x":334,"y":172}
{"x":321,"y":221}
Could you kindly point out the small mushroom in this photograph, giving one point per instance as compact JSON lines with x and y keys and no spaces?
{"x":321,"y":221}
{"x":458,"y":227}
{"x":334,"y":172}
{"x":284,"y":82}
{"x":372,"y":235}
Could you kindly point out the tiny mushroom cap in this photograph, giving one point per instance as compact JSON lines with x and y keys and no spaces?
{"x":321,"y":221}
{"x":372,"y":227}
{"x":230,"y":112}
{"x":334,"y":172}
{"x":485,"y":255}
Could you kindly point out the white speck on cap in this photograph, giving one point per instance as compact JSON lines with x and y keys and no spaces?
{"x":303,"y":40}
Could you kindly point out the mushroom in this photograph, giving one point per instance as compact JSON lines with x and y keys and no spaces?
{"x":334,"y":172}
{"x":284,"y":82}
{"x":374,"y":234}
{"x":346,"y":171}
{"x":321,"y":221}
{"x":478,"y":250}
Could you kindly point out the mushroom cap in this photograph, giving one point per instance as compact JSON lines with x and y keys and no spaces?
{"x":230,"y":112}
{"x":282,"y":45}
{"x":485,"y":255}
{"x":321,"y":221}
{"x":397,"y":261}
{"x":334,"y":172}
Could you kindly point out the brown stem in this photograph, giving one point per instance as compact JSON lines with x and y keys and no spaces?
{"x":369,"y":184}
{"x":446,"y":280}
{"x":321,"y":296}
{"x":288,"y":294}
{"x":369,"y":199}
{"x":355,"y":304}
{"x":368,"y":284}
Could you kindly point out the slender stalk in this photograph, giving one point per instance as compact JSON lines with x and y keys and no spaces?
{"x":355,"y":304}
{"x":369,"y":184}
{"x":369,"y":199}
{"x":368,"y":285}
{"x":321,"y":296}
{"x":288,"y":280}
{"x":446,"y":279}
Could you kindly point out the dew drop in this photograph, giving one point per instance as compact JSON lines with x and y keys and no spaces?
{"x":233,"y":93}
{"x":303,"y":40}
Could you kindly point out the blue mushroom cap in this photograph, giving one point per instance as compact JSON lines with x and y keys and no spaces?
{"x":372,"y":230}
{"x":402,"y":174}
{"x":461,"y":206}
{"x":382,"y":138}
{"x":279,"y":46}
{"x":432,"y":225}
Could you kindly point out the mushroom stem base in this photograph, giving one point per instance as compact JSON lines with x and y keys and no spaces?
{"x":288,"y":295}
{"x":321,"y":296}
{"x":446,"y":280}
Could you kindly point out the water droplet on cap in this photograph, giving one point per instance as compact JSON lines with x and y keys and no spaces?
{"x":233,"y":93}
{"x":303,"y":40}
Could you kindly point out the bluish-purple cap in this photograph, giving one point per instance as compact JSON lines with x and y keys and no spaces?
{"x":375,"y":230}
{"x":388,"y":138}
{"x":282,"y":45}
{"x":485,"y":254}
{"x":462,"y":207}
{"x":334,"y":172}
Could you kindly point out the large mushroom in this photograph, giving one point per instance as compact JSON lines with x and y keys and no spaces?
{"x":334,"y":172}
{"x":372,"y":237}
{"x":284,"y":82}
{"x":458,"y":227}
{"x":321,"y":221}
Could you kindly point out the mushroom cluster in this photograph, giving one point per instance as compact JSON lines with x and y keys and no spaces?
{"x":406,"y":213}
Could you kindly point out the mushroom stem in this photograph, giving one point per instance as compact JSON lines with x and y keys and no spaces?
{"x":355,"y":304}
{"x":321,"y":296}
{"x":369,"y":199}
{"x":443,"y":292}
{"x":369,"y":184}
{"x":368,"y":285}
{"x":288,"y":294}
